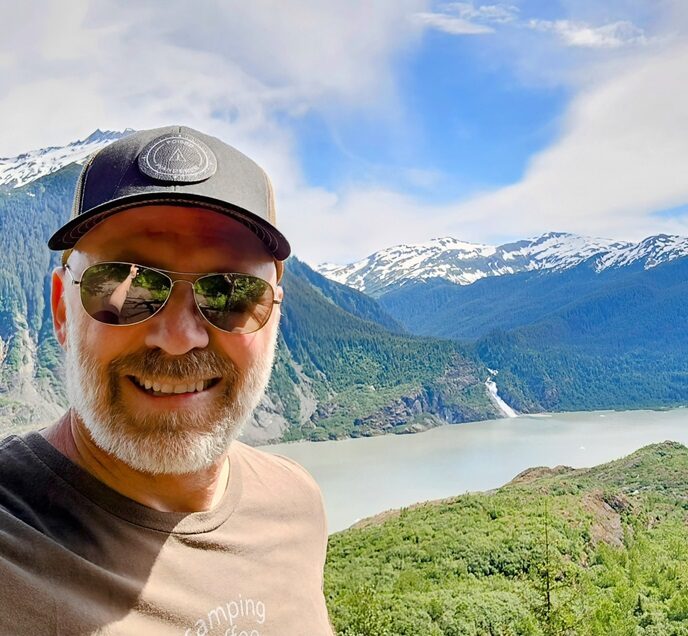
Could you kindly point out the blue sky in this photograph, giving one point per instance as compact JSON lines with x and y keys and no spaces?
{"x":464,"y":126}
{"x":388,"y":122}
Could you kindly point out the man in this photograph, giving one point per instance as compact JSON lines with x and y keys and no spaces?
{"x":138,"y":512}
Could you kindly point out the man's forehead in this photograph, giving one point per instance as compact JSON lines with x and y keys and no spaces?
{"x":203,"y":235}
{"x":172,"y":220}
{"x":175,"y":227}
{"x":141,"y":243}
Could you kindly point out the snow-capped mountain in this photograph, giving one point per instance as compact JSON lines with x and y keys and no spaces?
{"x":464,"y":263}
{"x":28,"y":166}
{"x":652,"y":250}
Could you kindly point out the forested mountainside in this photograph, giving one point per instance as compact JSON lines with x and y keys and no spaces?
{"x":596,"y":551}
{"x":637,"y":303}
{"x":344,"y":366}
{"x":31,"y":389}
{"x":364,"y":378}
{"x":573,"y":339}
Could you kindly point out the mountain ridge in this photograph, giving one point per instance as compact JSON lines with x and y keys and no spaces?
{"x":465,"y":263}
{"x":27,"y":167}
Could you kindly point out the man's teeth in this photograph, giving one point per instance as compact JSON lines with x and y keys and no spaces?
{"x":159,"y":387}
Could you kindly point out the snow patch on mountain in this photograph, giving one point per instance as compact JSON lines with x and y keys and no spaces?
{"x":464,"y":263}
{"x":556,"y":250}
{"x":406,"y":262}
{"x":29,"y":166}
{"x":654,"y":250}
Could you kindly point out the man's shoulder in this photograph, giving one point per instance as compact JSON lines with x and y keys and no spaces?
{"x":269,"y":465}
{"x":10,"y":444}
{"x":277,"y":479}
{"x":24,"y":484}
{"x":15,"y":456}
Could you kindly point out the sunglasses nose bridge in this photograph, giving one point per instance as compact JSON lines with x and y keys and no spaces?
{"x":181,"y":280}
{"x":169,"y":300}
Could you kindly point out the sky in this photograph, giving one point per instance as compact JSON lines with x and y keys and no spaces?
{"x":386,"y":122}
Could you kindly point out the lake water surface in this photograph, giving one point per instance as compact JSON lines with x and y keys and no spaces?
{"x":361,"y":477}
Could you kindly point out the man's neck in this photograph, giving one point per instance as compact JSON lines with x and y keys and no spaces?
{"x":191,"y":492}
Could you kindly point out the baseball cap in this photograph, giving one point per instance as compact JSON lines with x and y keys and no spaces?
{"x":174,"y":165}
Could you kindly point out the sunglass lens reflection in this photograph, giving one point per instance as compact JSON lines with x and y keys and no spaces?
{"x":237,"y":303}
{"x":121,"y":293}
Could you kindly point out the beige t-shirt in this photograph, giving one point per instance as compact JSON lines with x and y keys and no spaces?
{"x":76,"y":557}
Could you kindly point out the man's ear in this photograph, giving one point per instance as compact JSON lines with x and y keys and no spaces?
{"x":279,"y":266}
{"x":58,"y":305}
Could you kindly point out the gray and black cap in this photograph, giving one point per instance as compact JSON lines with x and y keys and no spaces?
{"x":175,"y":165}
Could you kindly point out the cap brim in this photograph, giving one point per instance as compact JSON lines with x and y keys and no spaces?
{"x":68,"y":235}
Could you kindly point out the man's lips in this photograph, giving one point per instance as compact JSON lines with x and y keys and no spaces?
{"x":170,"y":388}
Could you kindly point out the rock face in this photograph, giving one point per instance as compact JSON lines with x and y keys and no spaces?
{"x":430,"y":406}
{"x":606,"y":518}
{"x":26,"y":401}
{"x":413,"y":413}
{"x":266,"y":424}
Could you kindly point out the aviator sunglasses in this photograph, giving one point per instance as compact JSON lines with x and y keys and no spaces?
{"x":127,"y":294}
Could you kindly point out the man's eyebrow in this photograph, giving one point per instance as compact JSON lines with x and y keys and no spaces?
{"x":129,"y":257}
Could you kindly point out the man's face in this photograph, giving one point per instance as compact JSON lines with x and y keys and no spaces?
{"x":106,"y":364}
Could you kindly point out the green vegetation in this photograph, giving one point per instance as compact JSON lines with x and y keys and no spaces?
{"x":357,"y":368}
{"x":587,"y":552}
{"x":282,"y":383}
{"x":346,"y":298}
{"x":570,"y":340}
{"x":536,"y":377}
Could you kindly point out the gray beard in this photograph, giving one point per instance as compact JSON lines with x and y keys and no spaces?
{"x":174,"y":442}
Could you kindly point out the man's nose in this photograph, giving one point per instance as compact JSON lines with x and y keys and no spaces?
{"x":178,"y":327}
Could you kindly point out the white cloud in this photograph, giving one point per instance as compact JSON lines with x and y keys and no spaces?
{"x":464,"y":18}
{"x":344,"y":227}
{"x":622,"y":156}
{"x":233,"y":69}
{"x":451,"y":24}
{"x":608,"y":36}
{"x":229,"y":66}
{"x":499,"y":13}
{"x":236,"y":68}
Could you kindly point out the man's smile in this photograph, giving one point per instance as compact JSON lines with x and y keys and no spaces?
{"x":167,"y":388}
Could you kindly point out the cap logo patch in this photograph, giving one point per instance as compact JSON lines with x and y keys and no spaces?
{"x":177,"y":158}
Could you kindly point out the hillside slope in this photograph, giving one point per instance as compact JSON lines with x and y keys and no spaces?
{"x":620,"y":344}
{"x":367,"y":380}
{"x":638,"y":304}
{"x":584,"y":552}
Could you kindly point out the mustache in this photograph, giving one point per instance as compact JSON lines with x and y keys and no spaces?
{"x":197,"y":363}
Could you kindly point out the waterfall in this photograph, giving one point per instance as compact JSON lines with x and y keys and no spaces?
{"x":500,"y":403}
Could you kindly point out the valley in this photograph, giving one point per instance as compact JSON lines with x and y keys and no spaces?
{"x":408,"y":339}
